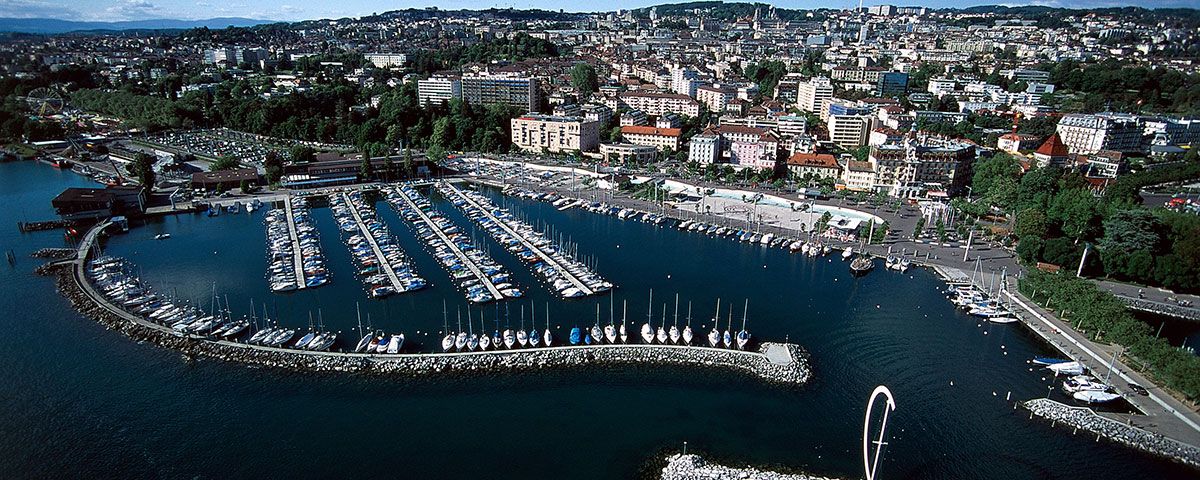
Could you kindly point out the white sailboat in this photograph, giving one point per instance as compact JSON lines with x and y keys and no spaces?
{"x":647,"y":330}
{"x":610,"y":330}
{"x":674,"y":332}
{"x":624,"y":335}
{"x":534,"y":337}
{"x":728,"y":337}
{"x":522,"y":335}
{"x":460,"y":340}
{"x":485,"y":342}
{"x":548,"y":339}
{"x":714,"y":337}
{"x":472,"y":338}
{"x":662,"y":329}
{"x":743,"y":337}
{"x":687,"y":330}
{"x":448,"y":340}
{"x":596,"y":335}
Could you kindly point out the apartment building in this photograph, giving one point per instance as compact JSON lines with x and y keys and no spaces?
{"x":704,"y":148}
{"x":660,"y":103}
{"x":850,"y":131}
{"x":814,"y":94}
{"x":661,"y":138}
{"x":438,"y":90}
{"x":514,"y":90}
{"x":538,"y":133}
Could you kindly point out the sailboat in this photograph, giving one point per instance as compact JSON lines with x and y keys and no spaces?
{"x":548,"y":339}
{"x":448,"y":340}
{"x":727,"y":337}
{"x":522,"y":335}
{"x":496,"y":340}
{"x":596,"y":335}
{"x":533,"y":332}
{"x":662,"y":330}
{"x":460,"y":340}
{"x":576,"y":335}
{"x":714,"y":337}
{"x":687,"y":329}
{"x":366,"y":339}
{"x":396,"y":342}
{"x":647,"y":330}
{"x":674,"y":333}
{"x":624,"y":335}
{"x":309,"y":337}
{"x":472,"y":339}
{"x":610,"y":330}
{"x":485,"y":341}
{"x":743,"y":337}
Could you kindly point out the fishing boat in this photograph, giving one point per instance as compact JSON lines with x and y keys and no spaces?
{"x":743,"y":337}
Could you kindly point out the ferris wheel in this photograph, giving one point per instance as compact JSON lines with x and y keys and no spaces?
{"x":45,"y":101}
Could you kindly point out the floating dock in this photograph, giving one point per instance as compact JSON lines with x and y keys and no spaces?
{"x":370,"y":237}
{"x":548,"y":259}
{"x":466,"y":260}
{"x":297,"y":256}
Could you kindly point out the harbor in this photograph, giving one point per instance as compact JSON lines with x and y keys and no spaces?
{"x":350,"y":210}
{"x":857,"y":332}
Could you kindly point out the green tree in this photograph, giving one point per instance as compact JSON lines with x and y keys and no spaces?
{"x":273,"y":166}
{"x":224,"y":162}
{"x":143,"y":168}
{"x":1031,"y":223}
{"x":1131,"y":231}
{"x":916,"y":233}
{"x":366,"y":170}
{"x":583,"y":78}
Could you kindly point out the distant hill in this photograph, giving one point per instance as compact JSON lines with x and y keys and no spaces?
{"x":52,"y":26}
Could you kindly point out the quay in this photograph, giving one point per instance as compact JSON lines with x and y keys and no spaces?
{"x":776,"y":363}
{"x":692,"y":467}
{"x":370,"y":237}
{"x":466,"y":260}
{"x":549,"y":260}
{"x":297,"y":256}
{"x":1085,"y":419}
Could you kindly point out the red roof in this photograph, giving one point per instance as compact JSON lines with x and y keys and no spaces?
{"x":639,"y":130}
{"x":823,"y":160}
{"x":1053,"y":147}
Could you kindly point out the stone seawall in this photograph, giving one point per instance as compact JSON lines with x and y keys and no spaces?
{"x":1130,"y":436}
{"x":692,"y":467}
{"x":786,"y":364}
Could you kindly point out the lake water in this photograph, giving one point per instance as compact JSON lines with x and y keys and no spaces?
{"x":81,"y":400}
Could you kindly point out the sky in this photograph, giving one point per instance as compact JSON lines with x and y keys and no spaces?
{"x":290,"y":10}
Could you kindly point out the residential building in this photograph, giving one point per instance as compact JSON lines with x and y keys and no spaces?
{"x":813,"y":94}
{"x":537,"y":133}
{"x":660,"y":103}
{"x":625,"y":153}
{"x":715,"y":97}
{"x":814,"y":165}
{"x":704,"y":148}
{"x":634,"y":117}
{"x":387,"y":60}
{"x":859,"y":176}
{"x":438,"y":90}
{"x":514,"y":90}
{"x":1086,"y":134}
{"x":662,"y":138}
{"x":850,"y":131}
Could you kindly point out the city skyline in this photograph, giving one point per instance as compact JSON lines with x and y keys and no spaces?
{"x":290,"y":10}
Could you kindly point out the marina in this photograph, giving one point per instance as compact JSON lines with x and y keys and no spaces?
{"x":951,"y":375}
{"x":294,"y":248}
{"x":569,"y":277}
{"x":360,"y":230}
{"x":477,"y":274}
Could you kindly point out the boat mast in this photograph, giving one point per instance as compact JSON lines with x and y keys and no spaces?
{"x":676,"y":310}
{"x":745,"y":309}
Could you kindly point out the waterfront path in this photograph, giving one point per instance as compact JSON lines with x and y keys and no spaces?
{"x":565,"y":272}
{"x":383,"y":260}
{"x":462,"y":256}
{"x":297,"y":256}
{"x":1164,"y":414}
{"x":1154,"y":300}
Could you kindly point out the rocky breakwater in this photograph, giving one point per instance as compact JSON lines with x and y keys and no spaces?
{"x":1085,"y":419}
{"x":692,"y":467}
{"x":777,"y":363}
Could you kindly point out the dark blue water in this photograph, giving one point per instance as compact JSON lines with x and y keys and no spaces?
{"x":80,"y":400}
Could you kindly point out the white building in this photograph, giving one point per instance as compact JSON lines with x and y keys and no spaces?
{"x":387,"y":60}
{"x":1087,"y":134}
{"x":850,"y":131}
{"x":704,"y":148}
{"x":437,"y":90}
{"x":537,"y":133}
{"x":814,"y":94}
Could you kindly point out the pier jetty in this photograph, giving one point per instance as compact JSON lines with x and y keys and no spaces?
{"x":692,"y":467}
{"x":1126,"y":434}
{"x":776,"y":363}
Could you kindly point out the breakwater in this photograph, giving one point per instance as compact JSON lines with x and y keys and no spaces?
{"x":693,"y":467}
{"x":777,"y":363}
{"x":1128,"y":435}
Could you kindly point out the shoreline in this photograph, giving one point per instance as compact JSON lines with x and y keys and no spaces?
{"x":1127,"y":435}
